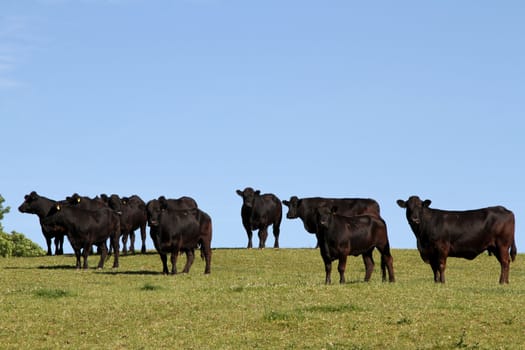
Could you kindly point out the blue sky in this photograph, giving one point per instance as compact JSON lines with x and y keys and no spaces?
{"x":380,"y":99}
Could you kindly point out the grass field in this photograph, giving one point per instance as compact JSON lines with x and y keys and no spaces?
{"x":262,"y":299}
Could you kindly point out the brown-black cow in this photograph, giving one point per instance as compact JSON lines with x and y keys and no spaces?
{"x":86,"y":228}
{"x":184,"y":230}
{"x":133,"y":215}
{"x":306,"y":208}
{"x":340,"y":236}
{"x":155,"y":208}
{"x":258,"y":212}
{"x":461,"y":234}
{"x":40,"y":205}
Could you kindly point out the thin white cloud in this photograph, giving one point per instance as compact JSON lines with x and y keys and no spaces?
{"x":13,"y":42}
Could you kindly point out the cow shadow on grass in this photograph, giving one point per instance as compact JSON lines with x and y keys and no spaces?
{"x":132,"y":273}
{"x":42,"y":267}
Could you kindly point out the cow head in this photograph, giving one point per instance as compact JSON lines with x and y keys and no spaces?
{"x":248,"y":196}
{"x":414,"y":209}
{"x":30,"y":201}
{"x":74,"y":199}
{"x":114,"y":203}
{"x":324,"y":216}
{"x":293,"y":205}
{"x":153,"y":209}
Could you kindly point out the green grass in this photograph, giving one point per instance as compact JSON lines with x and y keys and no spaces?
{"x":267,"y":299}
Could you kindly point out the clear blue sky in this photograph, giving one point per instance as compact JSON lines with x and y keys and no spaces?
{"x":380,"y":99}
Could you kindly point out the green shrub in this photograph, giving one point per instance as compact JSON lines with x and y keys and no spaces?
{"x":16,"y":244}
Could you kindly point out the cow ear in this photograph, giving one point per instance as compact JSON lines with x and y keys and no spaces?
{"x":287,"y":203}
{"x":426,"y":203}
{"x":257,"y":192}
{"x":401,"y":203}
{"x":239,"y":192}
{"x":333,"y":210}
{"x":163,"y":203}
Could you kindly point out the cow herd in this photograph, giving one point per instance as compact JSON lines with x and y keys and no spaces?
{"x":343,"y":227}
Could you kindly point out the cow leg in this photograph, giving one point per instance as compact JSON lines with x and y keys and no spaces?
{"x":132,"y":242}
{"x":387,"y":262}
{"x":125,"y":243}
{"x":164,"y":259}
{"x":368,"y":260}
{"x":206,"y":251}
{"x":143,"y":238}
{"x":85,"y":254}
{"x":48,"y":242}
{"x":190,"y":256}
{"x":103,"y":254}
{"x":276,"y":231}
{"x":503,"y":257}
{"x":434,"y":263}
{"x":250,"y":235}
{"x":116,"y":249}
{"x":263,"y":234}
{"x":77,"y":257}
{"x":341,"y":268}
{"x":442,"y":266}
{"x":328,"y":271}
{"x":174,"y":256}
{"x":438,"y":266}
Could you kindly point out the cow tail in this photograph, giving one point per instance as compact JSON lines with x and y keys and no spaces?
{"x":513,"y":250}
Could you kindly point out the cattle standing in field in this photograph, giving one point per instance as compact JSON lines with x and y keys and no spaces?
{"x":461,"y":234}
{"x":86,"y":228}
{"x":258,"y":212}
{"x":172,"y":233}
{"x":306,"y":208}
{"x":39,"y":205}
{"x":133,"y":215}
{"x":340,"y":236}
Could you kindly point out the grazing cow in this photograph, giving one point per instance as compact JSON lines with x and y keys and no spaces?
{"x":461,"y":234}
{"x":39,"y":205}
{"x":340,"y":236}
{"x":154,"y":210}
{"x":86,"y":228}
{"x":259,"y":211}
{"x":133,"y":215}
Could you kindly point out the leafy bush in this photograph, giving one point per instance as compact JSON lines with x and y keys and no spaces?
{"x":16,"y":244}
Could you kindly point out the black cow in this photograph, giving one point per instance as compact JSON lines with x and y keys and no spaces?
{"x":154,"y":210}
{"x":461,"y":234}
{"x":183,"y":230}
{"x":306,"y":208}
{"x":340,"y":236}
{"x":86,"y":228}
{"x":133,"y":215}
{"x":259,"y":211}
{"x":84,"y":202}
{"x":39,"y":205}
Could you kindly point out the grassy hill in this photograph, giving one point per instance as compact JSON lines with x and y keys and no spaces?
{"x":267,"y":299}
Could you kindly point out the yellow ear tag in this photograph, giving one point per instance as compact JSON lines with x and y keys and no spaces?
{"x":58,"y":206}
{"x":78,"y":200}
